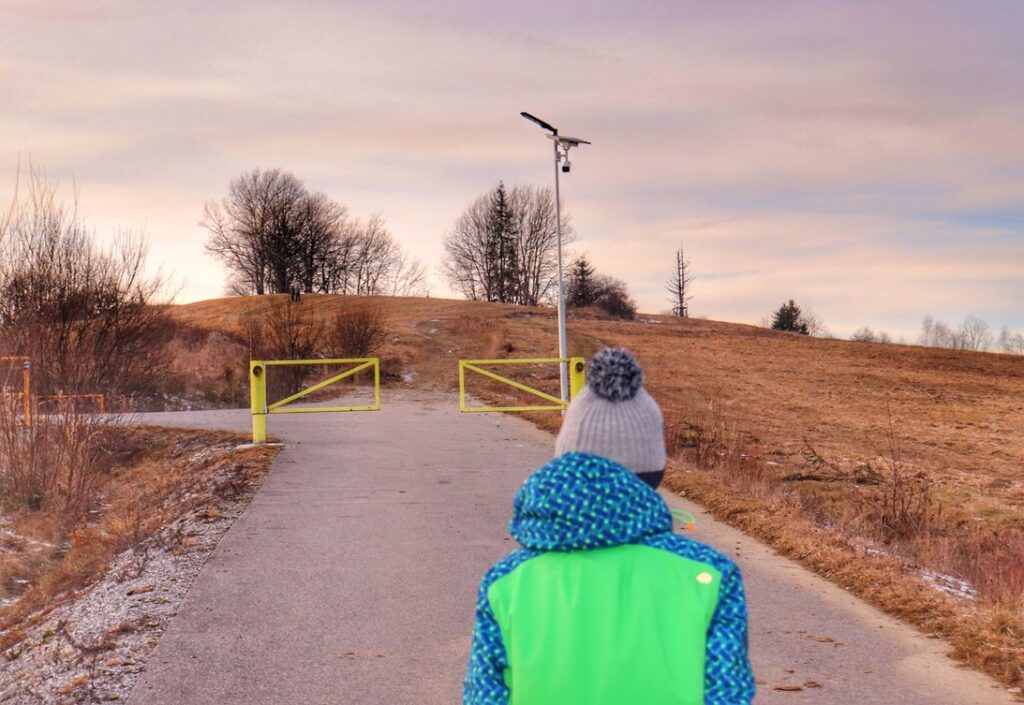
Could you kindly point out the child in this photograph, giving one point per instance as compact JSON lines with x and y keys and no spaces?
{"x":604,"y":604}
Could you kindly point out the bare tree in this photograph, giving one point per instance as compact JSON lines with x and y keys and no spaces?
{"x":1012,"y":343}
{"x":373,"y":259}
{"x":357,"y":331}
{"x":465,"y":265}
{"x":255,"y":230}
{"x":535,"y":222}
{"x":88,"y":317}
{"x":321,"y":244}
{"x":864,"y":334}
{"x":286,"y":330}
{"x":479,"y":266}
{"x":937,"y":334}
{"x":973,"y":334}
{"x":408,"y":277}
{"x":816,"y":326}
{"x":678,"y":285}
{"x":273,"y":235}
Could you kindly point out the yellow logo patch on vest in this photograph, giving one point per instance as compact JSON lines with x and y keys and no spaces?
{"x":704,"y":578}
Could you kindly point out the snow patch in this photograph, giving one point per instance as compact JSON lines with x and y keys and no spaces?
{"x":946,"y":584}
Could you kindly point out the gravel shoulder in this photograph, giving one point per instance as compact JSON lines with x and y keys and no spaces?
{"x":93,"y":645}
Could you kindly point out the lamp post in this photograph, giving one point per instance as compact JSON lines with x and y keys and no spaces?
{"x":562,"y":145}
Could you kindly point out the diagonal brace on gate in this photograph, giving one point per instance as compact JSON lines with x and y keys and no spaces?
{"x":260,"y":409}
{"x":577,"y":379}
{"x":315,"y":388}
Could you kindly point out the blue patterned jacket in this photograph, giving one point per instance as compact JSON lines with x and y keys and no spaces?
{"x":604,"y":604}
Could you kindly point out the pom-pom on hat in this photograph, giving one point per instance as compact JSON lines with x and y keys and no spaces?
{"x":615,"y":417}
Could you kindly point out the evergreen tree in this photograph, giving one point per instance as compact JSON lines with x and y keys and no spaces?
{"x":582,"y":289}
{"x":502,"y":266}
{"x":790,"y":318}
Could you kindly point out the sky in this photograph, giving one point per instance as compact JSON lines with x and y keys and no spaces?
{"x":864,"y":158}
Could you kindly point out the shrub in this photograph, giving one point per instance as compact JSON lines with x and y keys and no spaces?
{"x":906,"y":507}
{"x":357,"y":331}
{"x":89,"y":312}
{"x":285,"y":330}
{"x":53,"y":464}
{"x":615,"y":300}
{"x":585,"y":288}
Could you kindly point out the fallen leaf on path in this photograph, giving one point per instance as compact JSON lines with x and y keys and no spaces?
{"x":73,"y":684}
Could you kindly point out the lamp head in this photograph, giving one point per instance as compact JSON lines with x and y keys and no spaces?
{"x":538,"y":121}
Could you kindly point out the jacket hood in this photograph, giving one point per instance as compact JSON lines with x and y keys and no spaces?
{"x":581,"y":501}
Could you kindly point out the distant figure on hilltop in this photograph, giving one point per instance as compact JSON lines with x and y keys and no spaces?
{"x":604,"y":604}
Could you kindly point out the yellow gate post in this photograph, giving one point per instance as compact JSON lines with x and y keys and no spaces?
{"x":577,"y":376}
{"x":258,"y":400}
{"x":261,"y":408}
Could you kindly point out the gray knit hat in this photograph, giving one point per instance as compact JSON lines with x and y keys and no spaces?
{"x":615,"y":417}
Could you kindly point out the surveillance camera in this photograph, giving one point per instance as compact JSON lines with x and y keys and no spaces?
{"x":565,"y":166}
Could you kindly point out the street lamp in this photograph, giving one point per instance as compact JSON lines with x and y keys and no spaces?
{"x":562,"y":145}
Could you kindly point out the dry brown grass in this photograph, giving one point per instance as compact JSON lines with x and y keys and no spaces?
{"x":959,"y":412}
{"x":989,"y":636}
{"x":820,"y":447}
{"x":208,"y":365}
{"x":153,"y":477}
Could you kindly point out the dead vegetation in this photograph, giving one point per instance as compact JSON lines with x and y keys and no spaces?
{"x":876,"y":524}
{"x":893,"y":470}
{"x":209,"y":365}
{"x":143,"y":480}
{"x":86,"y":315}
{"x":356,"y":331}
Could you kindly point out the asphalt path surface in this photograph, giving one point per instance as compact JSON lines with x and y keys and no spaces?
{"x":351,"y":577}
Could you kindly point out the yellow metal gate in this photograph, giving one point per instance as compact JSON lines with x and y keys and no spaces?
{"x":577,"y":380}
{"x":258,"y":390}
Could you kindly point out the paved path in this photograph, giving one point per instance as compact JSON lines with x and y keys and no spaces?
{"x":350,"y":578}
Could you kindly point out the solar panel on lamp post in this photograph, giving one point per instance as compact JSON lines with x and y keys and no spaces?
{"x":562,"y":145}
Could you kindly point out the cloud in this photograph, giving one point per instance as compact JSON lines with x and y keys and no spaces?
{"x":797,"y":148}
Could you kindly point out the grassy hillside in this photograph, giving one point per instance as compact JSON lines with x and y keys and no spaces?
{"x":958,"y":413}
{"x":895,"y":470}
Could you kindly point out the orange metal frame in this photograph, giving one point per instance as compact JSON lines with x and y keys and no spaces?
{"x":26,"y":381}
{"x":100,"y":399}
{"x":26,"y":392}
